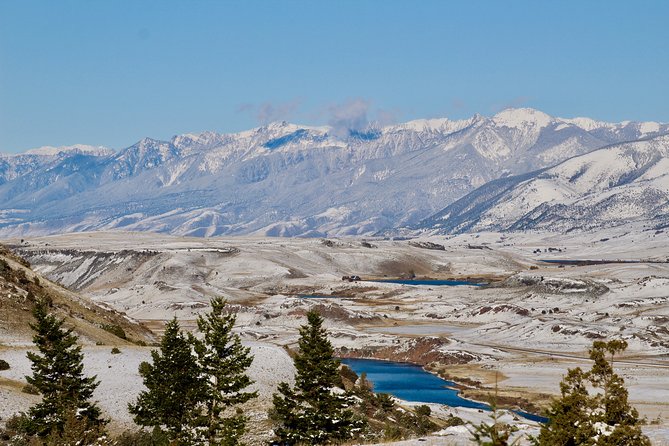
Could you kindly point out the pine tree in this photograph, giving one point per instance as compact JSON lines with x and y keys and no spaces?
{"x":616,"y":420}
{"x":604,"y":418}
{"x":311,"y":412}
{"x":59,"y":378}
{"x":568,"y":413}
{"x":175,"y":389}
{"x":223,"y":362}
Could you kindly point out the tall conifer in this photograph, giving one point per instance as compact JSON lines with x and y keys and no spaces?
{"x":603,"y":418}
{"x":175,"y":389}
{"x":59,"y":378}
{"x":223,"y":362}
{"x":313,"y":411}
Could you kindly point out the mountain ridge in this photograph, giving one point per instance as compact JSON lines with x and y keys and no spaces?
{"x":618,"y":184}
{"x":513,"y":116}
{"x":290,"y":180}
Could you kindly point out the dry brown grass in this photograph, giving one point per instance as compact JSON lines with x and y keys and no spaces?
{"x":20,"y":288}
{"x":525,"y":399}
{"x":481,"y":385}
{"x":11,"y":384}
{"x":405,"y":267}
{"x":468,"y":373}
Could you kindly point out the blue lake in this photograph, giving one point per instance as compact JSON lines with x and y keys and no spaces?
{"x":429,"y":282}
{"x":410,"y":382}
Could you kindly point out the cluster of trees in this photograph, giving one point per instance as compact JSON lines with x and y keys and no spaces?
{"x":195,"y":386}
{"x":600,"y":417}
{"x":593,"y":409}
{"x":193,"y":383}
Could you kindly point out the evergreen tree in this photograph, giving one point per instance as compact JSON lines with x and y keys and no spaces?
{"x":175,"y":389}
{"x":311,"y":412}
{"x":58,"y":376}
{"x":223,"y":362}
{"x":568,"y":414}
{"x":616,"y":420}
{"x":604,"y":418}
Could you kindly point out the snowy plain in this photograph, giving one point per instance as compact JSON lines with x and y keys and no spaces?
{"x":532,"y":322}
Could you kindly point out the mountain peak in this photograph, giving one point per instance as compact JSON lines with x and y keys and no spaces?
{"x":277,"y":124}
{"x":147,"y":141}
{"x":521,"y":117}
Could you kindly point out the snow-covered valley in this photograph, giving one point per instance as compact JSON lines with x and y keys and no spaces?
{"x":531,"y":322}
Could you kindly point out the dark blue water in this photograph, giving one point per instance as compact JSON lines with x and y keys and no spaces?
{"x":411,"y":383}
{"x":531,"y":416}
{"x":430,"y":282}
{"x":317,"y":296}
{"x":596,"y":262}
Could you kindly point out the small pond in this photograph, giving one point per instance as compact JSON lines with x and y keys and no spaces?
{"x":410,"y":382}
{"x":318,"y":296}
{"x":595,"y":262}
{"x":429,"y":282}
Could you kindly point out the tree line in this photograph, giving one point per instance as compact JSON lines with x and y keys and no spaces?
{"x":196,"y":386}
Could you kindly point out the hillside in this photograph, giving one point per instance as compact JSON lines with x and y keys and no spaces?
{"x":613,"y":186}
{"x":21,"y":287}
{"x":288,"y":180}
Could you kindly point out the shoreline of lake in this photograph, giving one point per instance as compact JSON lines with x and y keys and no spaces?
{"x":430,"y":282}
{"x":392,"y":377}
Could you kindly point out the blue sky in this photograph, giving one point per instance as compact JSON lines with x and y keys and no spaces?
{"x":112,"y":72}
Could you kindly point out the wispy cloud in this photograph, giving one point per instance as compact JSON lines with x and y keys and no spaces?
{"x":386,"y":116}
{"x":352,"y":115}
{"x":356,"y":115}
{"x":348,"y":116}
{"x":267,"y":112}
{"x":458,"y":105}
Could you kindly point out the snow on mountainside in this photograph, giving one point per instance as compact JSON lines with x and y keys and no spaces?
{"x":14,"y":166}
{"x":612,"y":186}
{"x":289,"y":180}
{"x":77,"y":148}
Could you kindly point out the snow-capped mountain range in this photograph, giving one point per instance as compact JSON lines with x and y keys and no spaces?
{"x":289,"y":180}
{"x":611,"y":186}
